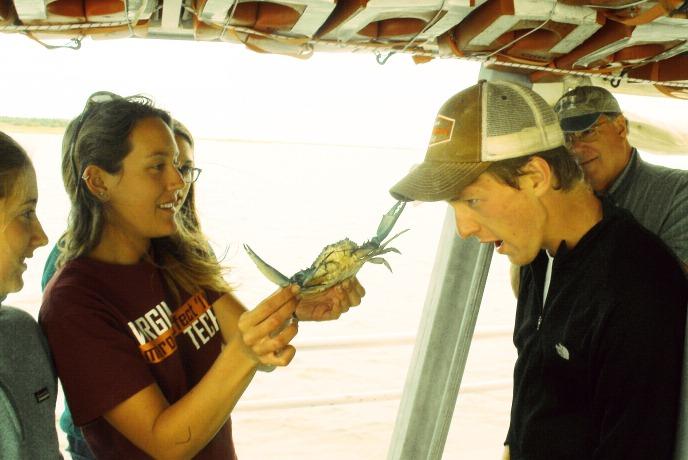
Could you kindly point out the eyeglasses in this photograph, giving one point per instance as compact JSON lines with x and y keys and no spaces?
{"x":93,"y":99}
{"x":588,"y":135}
{"x":189,"y":173}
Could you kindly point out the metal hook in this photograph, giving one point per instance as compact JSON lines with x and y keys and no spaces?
{"x":73,"y":43}
{"x":76,"y":43}
{"x":383,"y":60}
{"x":616,"y":81}
{"x":306,"y":50}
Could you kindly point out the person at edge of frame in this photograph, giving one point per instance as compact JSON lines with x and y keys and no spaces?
{"x":28,"y":384}
{"x":600,"y":317}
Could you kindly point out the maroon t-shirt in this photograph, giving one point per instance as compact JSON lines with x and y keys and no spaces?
{"x":113,"y":331}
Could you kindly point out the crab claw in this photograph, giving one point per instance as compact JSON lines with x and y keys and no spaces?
{"x":388,"y":221}
{"x":266,"y":269}
{"x":380,"y":260}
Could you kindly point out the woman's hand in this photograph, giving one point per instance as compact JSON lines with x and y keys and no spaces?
{"x":267,"y":330}
{"x":330,"y":304}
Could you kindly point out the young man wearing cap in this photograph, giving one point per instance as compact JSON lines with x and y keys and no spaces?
{"x":601,"y":313}
{"x":596,"y":132}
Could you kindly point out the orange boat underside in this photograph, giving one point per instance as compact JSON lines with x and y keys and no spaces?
{"x":645,"y":41}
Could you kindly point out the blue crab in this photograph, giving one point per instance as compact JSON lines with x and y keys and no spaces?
{"x":337,"y":261}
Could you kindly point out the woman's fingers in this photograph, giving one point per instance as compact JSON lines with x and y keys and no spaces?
{"x":339,"y":302}
{"x":270,"y":305}
{"x":267,"y":329}
{"x":253,"y":333}
{"x":282,"y":358}
{"x":354,"y":292}
{"x":332,"y":312}
{"x":360,"y":290}
{"x":277,"y":343}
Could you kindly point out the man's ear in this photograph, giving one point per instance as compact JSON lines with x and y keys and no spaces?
{"x":95,"y":179}
{"x":621,"y":125}
{"x":538,"y":176}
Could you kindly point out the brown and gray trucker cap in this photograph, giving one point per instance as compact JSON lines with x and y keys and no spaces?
{"x":580,"y":108}
{"x":488,"y":122}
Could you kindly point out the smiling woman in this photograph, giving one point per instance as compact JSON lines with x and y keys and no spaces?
{"x":150,"y":169}
{"x":120,"y":170}
{"x":22,"y":233}
{"x":28,"y":387}
{"x":152,"y":349}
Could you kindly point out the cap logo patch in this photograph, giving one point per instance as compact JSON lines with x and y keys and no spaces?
{"x":442,"y":130}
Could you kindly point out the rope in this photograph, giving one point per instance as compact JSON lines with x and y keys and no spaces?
{"x":377,"y":48}
{"x":61,"y":27}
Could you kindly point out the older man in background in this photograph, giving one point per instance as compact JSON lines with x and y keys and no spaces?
{"x":596,"y":132}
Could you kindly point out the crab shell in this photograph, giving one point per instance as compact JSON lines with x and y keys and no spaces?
{"x":336,"y":262}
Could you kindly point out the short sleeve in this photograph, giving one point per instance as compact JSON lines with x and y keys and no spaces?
{"x":212,"y":296}
{"x":99,"y":364}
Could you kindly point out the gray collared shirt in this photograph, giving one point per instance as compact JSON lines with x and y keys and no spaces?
{"x":658,"y":198}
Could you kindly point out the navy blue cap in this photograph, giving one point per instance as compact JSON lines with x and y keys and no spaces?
{"x":579,"y":123}
{"x":580,"y":108}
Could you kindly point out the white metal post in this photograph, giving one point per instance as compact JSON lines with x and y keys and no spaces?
{"x":442,"y":344}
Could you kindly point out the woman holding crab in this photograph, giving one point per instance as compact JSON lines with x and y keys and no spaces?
{"x":152,"y":349}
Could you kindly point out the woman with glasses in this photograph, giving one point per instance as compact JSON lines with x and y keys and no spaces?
{"x":189,"y":172}
{"x":28,"y":387}
{"x":152,"y":349}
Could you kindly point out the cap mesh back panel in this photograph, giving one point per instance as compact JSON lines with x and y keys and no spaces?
{"x":507,"y":112}
{"x":548,"y":116}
